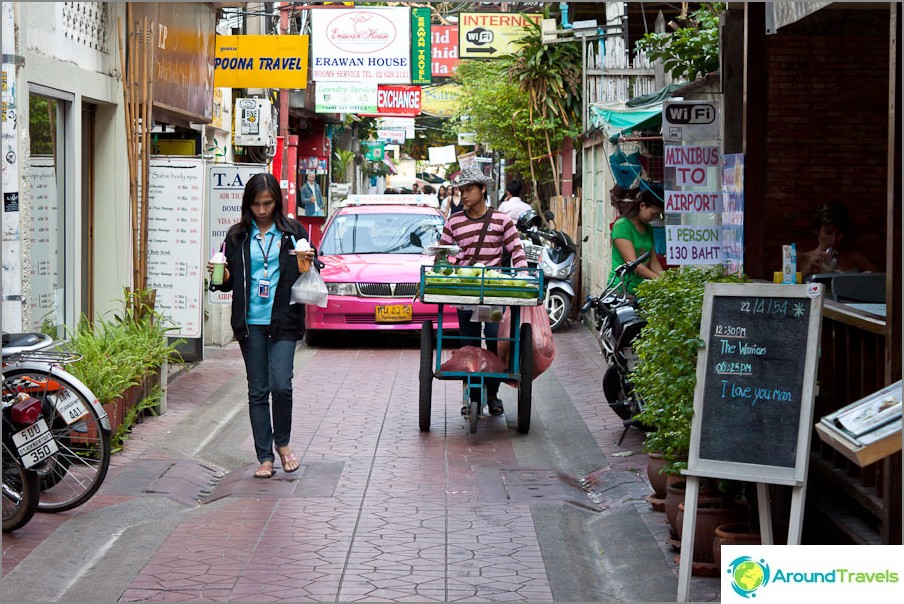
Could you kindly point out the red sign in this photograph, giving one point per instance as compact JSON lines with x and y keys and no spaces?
{"x":443,"y":50}
{"x":398,"y":100}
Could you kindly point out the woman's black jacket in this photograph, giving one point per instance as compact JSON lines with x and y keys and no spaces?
{"x":286,"y":320}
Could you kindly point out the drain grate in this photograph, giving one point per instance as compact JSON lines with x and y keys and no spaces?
{"x":544,"y":486}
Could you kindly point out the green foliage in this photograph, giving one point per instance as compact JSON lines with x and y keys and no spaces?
{"x":691,"y":50}
{"x":667,"y":347}
{"x":117,"y":354}
{"x":342,"y":159}
{"x":148,"y":403}
{"x":552,"y":77}
{"x":525,"y":104}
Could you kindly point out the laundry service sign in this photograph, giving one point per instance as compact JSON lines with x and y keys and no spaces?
{"x":355,"y":44}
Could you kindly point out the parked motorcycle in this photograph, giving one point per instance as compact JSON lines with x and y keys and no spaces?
{"x":27,"y":442}
{"x":617,"y":324}
{"x":556,"y":255}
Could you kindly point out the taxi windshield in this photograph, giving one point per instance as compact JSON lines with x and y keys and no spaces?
{"x":380,"y":233}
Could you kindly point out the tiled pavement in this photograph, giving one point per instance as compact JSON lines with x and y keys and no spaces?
{"x":379,"y":511}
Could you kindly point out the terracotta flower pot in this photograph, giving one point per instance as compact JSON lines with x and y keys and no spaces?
{"x":655,"y":463}
{"x":711,"y":513}
{"x":733,"y":533}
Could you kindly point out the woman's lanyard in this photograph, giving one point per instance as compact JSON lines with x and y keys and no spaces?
{"x":267,"y":253}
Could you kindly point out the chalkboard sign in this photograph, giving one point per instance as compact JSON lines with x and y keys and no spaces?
{"x":753,"y":404}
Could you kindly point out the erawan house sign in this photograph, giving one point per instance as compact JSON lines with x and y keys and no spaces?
{"x":357,"y":44}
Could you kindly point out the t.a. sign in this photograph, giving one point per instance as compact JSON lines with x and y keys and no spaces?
{"x":691,"y":121}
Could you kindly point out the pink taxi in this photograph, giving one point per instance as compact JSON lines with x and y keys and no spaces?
{"x":372,"y":268}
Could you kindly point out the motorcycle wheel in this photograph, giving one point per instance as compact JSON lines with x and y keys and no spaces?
{"x":558,"y":307}
{"x":21,"y":493}
{"x":615,"y":394}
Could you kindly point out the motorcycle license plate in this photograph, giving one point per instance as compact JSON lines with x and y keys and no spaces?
{"x":35,"y":443}
{"x":393,"y":313}
{"x":69,"y":407}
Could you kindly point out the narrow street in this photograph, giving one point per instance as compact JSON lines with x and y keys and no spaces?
{"x":378,"y":511}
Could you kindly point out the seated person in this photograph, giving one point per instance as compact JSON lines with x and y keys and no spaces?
{"x":834,"y":233}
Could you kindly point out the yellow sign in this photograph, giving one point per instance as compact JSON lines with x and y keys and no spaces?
{"x":261,"y":62}
{"x":441,"y":101}
{"x":491,"y":35}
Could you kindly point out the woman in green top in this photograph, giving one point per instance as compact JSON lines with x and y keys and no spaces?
{"x":632,"y":235}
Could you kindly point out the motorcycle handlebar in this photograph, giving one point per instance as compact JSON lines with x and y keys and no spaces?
{"x":630,"y":266}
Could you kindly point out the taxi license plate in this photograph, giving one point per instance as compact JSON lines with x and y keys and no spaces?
{"x":35,"y":443}
{"x":393,"y":313}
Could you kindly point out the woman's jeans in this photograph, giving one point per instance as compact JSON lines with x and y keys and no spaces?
{"x":471,"y":332}
{"x":268,"y":365}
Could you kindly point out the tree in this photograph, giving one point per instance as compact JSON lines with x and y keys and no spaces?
{"x":551,"y":75}
{"x":693,"y":48}
{"x":523,"y":102}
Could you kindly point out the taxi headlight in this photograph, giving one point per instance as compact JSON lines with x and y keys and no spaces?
{"x":342,"y":289}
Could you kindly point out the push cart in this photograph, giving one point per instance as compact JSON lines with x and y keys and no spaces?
{"x":489,"y":290}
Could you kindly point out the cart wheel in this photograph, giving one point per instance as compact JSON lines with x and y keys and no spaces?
{"x":525,"y":385}
{"x":474,"y":414}
{"x":426,"y":375}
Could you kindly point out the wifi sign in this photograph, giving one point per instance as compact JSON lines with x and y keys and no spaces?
{"x":691,"y":120}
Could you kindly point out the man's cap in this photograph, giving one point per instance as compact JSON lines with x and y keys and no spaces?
{"x":470,"y":176}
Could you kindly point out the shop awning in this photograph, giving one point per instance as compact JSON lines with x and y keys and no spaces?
{"x":616,"y":117}
{"x":639,"y":113}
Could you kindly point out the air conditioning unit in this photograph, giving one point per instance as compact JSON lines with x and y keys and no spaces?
{"x":253,"y":120}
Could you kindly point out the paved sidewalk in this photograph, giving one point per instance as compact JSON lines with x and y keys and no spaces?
{"x":378,"y":511}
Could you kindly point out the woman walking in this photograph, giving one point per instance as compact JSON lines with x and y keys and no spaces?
{"x":260,"y":273}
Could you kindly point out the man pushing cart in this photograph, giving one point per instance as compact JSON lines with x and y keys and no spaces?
{"x":486,"y":240}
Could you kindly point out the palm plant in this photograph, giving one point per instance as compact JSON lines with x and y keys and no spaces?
{"x":550,"y":75}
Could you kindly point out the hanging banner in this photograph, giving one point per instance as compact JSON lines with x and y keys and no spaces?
{"x":443,"y":50}
{"x":373,"y":150}
{"x":261,"y":62}
{"x":354,"y":44}
{"x":441,"y":155}
{"x":440,"y":101}
{"x":391,"y":136}
{"x":733,"y":212}
{"x":398,"y":101}
{"x":345,"y":97}
{"x":420,"y":46}
{"x":693,"y":244}
{"x":491,"y":35}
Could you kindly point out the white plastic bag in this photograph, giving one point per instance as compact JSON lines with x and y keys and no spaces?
{"x":309,"y":288}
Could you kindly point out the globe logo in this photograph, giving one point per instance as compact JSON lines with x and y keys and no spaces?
{"x":748,"y":575}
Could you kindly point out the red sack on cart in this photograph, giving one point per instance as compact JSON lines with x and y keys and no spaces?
{"x":544,"y":346}
{"x":472,"y":359}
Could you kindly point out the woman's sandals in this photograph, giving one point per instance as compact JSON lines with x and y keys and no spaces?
{"x":265,"y":471}
{"x":288,"y":459}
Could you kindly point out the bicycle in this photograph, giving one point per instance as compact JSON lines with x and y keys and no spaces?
{"x":76,"y":418}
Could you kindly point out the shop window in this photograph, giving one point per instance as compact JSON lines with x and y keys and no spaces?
{"x":45,"y":227}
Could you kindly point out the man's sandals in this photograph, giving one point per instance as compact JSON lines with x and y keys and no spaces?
{"x":288,"y":459}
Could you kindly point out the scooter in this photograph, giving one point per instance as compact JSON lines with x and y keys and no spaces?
{"x":556,"y":255}
{"x":617,"y":323}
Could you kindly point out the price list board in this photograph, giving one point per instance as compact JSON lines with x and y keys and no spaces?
{"x":175,"y":241}
{"x":753,"y":404}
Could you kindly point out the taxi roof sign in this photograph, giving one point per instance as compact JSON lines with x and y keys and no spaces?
{"x":389,"y":200}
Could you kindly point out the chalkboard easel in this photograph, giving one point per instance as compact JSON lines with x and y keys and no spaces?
{"x":753,"y":402}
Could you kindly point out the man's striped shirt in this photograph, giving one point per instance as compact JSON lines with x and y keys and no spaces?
{"x":501,"y":239}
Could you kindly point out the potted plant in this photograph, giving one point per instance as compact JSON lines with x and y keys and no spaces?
{"x":666,"y":373}
{"x":124,"y":363}
{"x":667,"y":347}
